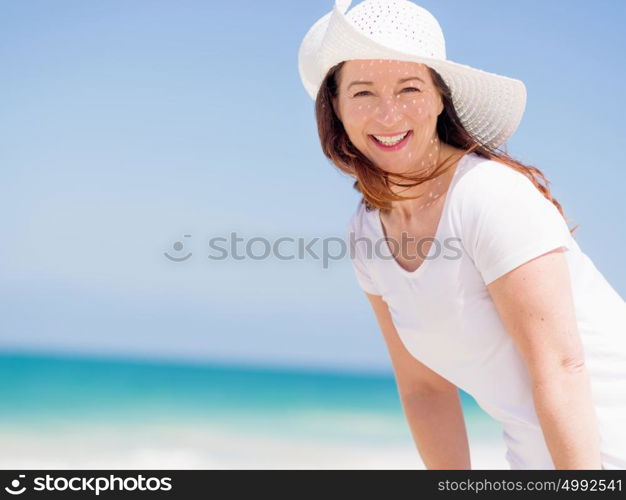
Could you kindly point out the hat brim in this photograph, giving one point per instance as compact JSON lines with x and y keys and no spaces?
{"x":490,"y":106}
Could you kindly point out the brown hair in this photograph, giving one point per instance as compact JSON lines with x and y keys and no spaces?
{"x":373,"y":182}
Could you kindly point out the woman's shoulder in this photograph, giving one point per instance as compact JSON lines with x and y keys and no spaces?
{"x":481,"y":175}
{"x":492,"y":190}
{"x":484,"y":182}
{"x":358,"y":217}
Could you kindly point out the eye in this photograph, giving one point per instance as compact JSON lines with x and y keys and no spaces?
{"x":405,"y":88}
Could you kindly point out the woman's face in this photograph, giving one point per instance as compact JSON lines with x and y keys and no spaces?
{"x":400,"y":97}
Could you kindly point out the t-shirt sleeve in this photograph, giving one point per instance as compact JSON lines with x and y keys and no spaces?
{"x":507,"y":221}
{"x":359,"y":263}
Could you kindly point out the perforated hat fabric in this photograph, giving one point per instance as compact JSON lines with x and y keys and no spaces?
{"x":490,"y":106}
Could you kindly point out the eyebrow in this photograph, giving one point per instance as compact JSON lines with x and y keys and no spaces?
{"x":402,"y":80}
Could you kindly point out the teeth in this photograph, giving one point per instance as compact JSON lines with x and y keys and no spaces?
{"x":391,"y":141}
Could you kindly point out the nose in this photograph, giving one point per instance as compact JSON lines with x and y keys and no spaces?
{"x":389,"y":112}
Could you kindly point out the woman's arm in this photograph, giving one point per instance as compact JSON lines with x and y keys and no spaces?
{"x":430,"y":402}
{"x":536,"y":306}
{"x":438,"y":428}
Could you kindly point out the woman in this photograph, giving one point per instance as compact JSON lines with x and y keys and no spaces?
{"x":464,"y":255}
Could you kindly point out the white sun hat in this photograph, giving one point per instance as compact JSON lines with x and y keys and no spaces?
{"x":490,"y":106}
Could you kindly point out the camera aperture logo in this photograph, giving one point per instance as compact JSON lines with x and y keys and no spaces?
{"x":15,"y":489}
{"x":93,"y":484}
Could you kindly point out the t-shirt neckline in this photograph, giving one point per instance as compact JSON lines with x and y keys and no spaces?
{"x":381,"y":232}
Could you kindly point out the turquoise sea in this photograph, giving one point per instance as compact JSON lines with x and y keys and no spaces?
{"x":80,"y":412}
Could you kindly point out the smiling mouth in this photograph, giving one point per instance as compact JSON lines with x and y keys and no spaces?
{"x":389,"y":145}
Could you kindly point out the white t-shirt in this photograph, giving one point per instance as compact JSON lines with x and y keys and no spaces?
{"x":493,"y":220}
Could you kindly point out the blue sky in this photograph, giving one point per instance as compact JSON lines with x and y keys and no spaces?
{"x":126,"y":125}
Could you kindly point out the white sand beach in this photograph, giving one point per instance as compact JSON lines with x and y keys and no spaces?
{"x":193,"y":447}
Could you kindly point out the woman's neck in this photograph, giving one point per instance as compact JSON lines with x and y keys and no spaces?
{"x":430,"y":192}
